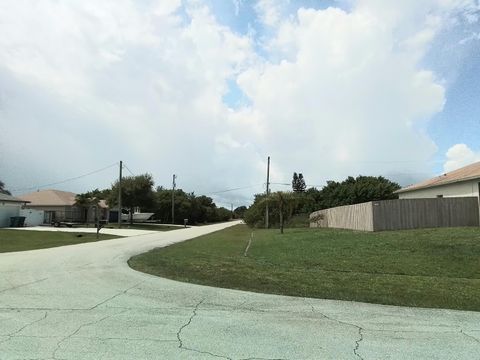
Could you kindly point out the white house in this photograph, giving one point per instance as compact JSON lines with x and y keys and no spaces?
{"x":462,"y":182}
{"x":9,"y":207}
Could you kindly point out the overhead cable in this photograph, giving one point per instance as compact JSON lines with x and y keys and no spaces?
{"x":66,"y":180}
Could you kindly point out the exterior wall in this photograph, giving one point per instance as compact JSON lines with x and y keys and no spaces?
{"x":61,"y":213}
{"x":460,"y":189}
{"x":32,"y":217}
{"x":425,"y":213}
{"x":8,"y":210}
{"x":354,"y":217}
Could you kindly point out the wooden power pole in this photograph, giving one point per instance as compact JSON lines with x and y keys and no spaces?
{"x":173,"y":198}
{"x":268,"y":192}
{"x":120,"y":195}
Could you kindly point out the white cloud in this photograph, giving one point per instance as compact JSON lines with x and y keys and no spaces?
{"x":345,"y":94}
{"x":146,"y":82}
{"x":473,"y":36}
{"x":270,"y":11}
{"x":334,"y":93}
{"x":460,"y":155}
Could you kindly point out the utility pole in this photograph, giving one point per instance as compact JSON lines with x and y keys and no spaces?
{"x":268,"y":192}
{"x":231,"y":207}
{"x":120,"y":195}
{"x":173,"y":198}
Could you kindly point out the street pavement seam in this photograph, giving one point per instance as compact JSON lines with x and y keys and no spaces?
{"x":16,"y":332}
{"x":470,"y":336}
{"x":21,"y":285}
{"x":60,"y":342}
{"x":184,"y":326}
{"x":357,"y":343}
{"x":116,"y":295}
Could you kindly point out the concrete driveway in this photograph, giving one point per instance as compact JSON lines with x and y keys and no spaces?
{"x":84,"y":302}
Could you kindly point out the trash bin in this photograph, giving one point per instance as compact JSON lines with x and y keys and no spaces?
{"x":17,"y":221}
{"x":21,"y":221}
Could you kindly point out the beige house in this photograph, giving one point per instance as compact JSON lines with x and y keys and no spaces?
{"x":463,"y":182}
{"x":62,"y":206}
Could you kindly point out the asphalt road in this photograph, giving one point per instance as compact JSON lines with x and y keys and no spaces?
{"x":84,"y":302}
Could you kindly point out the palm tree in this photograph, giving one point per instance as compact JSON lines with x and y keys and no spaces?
{"x":87,"y":201}
{"x":286,"y":204}
{"x":2,"y":188}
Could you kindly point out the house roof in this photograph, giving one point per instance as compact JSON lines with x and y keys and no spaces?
{"x":54,"y":198}
{"x":50,"y":198}
{"x":10,"y":198}
{"x":469,"y":172}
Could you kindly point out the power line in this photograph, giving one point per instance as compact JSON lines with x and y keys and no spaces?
{"x":66,"y":180}
{"x":236,"y":202}
{"x":398,"y":161}
{"x":234,"y":189}
{"x":126,"y":167}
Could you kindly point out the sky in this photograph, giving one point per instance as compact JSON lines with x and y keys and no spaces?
{"x":207,"y":90}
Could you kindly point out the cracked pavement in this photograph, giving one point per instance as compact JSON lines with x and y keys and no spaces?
{"x":84,"y":302}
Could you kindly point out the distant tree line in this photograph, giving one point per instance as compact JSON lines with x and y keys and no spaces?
{"x":283,"y":206}
{"x":139,"y":191}
{"x":197,"y":209}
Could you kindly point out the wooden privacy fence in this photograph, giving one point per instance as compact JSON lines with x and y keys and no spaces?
{"x":400,"y":214}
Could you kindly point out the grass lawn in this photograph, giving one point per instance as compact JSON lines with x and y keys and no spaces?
{"x":19,"y":240}
{"x":437,"y":268}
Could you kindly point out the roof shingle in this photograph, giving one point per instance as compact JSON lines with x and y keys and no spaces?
{"x":468,"y":172}
{"x":50,"y":198}
{"x":10,"y":198}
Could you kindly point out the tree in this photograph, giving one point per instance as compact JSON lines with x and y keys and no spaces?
{"x":90,"y":200}
{"x":298,"y":183}
{"x":255,"y":214}
{"x":282,"y":205}
{"x":294,"y":181}
{"x":3,"y":190}
{"x":222,"y":214}
{"x":197,"y":209}
{"x":239,"y":212}
{"x":137,"y":191}
{"x":86,"y":201}
{"x":356,"y":190}
{"x":285,"y":202}
{"x":350,"y":191}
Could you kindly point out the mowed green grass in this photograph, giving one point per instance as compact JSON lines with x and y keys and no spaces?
{"x":438,"y":268}
{"x":21,"y":240}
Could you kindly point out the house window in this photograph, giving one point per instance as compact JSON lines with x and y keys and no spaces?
{"x":439,"y":196}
